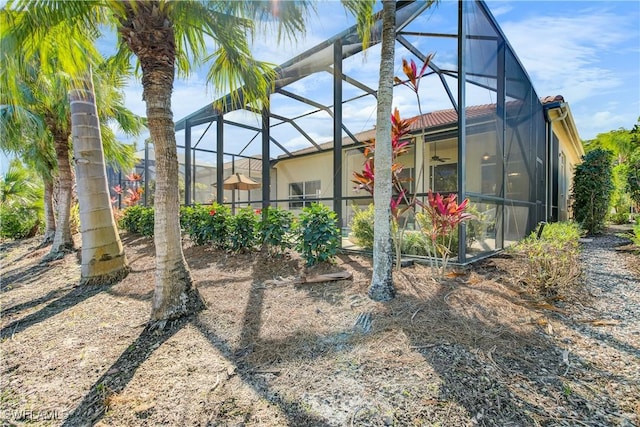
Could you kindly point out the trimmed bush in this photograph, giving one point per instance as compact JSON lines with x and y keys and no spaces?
{"x":592,"y":188}
{"x":275,"y":230}
{"x":138,"y":219}
{"x":362,"y":226}
{"x":243,"y":230}
{"x":206,"y":224}
{"x":318,"y":234}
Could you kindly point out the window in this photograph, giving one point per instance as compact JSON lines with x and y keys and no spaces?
{"x":444,"y":178}
{"x":406,"y":175}
{"x":303,"y":193}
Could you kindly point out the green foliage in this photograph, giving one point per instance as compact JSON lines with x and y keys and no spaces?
{"x":275,"y":230}
{"x":620,"y":205}
{"x":318,"y":234}
{"x":450,"y":241}
{"x":566,"y":232}
{"x":592,"y":188}
{"x":19,"y":222}
{"x":415,"y":243}
{"x":633,"y":177}
{"x":21,"y":210}
{"x":552,"y":261}
{"x":206,"y":224}
{"x":636,"y":232}
{"x":243,"y":230}
{"x":362,"y":226}
{"x":138,"y":219}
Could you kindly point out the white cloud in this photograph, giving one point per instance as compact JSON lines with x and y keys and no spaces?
{"x":562,"y":53}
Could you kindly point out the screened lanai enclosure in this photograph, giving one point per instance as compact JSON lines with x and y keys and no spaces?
{"x":484,"y":133}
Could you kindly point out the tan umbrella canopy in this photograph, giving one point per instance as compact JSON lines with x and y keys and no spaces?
{"x":238,"y":181}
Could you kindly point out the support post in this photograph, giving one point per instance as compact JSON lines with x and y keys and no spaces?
{"x":462,"y":127}
{"x":187,"y":163}
{"x":337,"y":131}
{"x":266,"y":155}
{"x":220,"y":159}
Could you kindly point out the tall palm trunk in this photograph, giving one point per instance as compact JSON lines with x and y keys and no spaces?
{"x":381,"y":288}
{"x":152,"y":40}
{"x":49,"y":217}
{"x":62,"y":240}
{"x":103,"y":258}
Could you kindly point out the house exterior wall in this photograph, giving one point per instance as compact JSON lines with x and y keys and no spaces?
{"x":304,"y":169}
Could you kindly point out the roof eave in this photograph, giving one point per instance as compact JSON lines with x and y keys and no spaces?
{"x":561,"y":119}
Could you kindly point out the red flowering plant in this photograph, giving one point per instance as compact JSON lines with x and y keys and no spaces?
{"x":445,"y":215}
{"x":402,"y":202}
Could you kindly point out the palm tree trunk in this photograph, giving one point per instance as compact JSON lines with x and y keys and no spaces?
{"x":62,"y":240}
{"x":174,"y":295}
{"x":49,"y":217}
{"x":103,"y":258}
{"x":149,"y":37}
{"x":381,"y":288}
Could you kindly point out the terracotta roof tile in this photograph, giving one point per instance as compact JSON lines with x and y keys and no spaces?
{"x":549,"y":99}
{"x":432,"y":119}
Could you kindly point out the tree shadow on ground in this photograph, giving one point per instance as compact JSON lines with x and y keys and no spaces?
{"x":54,"y":294}
{"x":95,"y":403}
{"x":22,"y":276}
{"x":500,"y":375}
{"x":75,"y":296}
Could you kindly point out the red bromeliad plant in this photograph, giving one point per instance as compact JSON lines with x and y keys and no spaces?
{"x":445,"y":214}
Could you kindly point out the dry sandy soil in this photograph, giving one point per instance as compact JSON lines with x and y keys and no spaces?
{"x":471,"y":350}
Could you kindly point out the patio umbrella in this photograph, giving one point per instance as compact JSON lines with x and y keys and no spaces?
{"x":238,"y":181}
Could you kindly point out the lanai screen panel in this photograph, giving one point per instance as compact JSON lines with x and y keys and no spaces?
{"x":483,"y":157}
{"x":505,"y":143}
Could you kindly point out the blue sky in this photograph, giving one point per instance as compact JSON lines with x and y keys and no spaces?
{"x":587,"y":51}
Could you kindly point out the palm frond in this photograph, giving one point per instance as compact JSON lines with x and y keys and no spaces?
{"x":362,"y":10}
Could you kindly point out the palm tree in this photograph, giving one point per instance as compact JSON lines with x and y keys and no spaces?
{"x":38,"y":113}
{"x":165,"y":36}
{"x":381,"y":288}
{"x":21,"y":133}
{"x":20,"y":201}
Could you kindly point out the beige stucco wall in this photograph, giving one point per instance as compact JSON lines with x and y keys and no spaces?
{"x":302,"y":169}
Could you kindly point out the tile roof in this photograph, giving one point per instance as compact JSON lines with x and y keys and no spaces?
{"x":434,"y":119}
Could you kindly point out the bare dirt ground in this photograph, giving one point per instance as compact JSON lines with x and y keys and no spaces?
{"x":472,"y":350}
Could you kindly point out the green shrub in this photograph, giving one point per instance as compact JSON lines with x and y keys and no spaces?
{"x":362,"y":226}
{"x":592,"y":188}
{"x":566,"y":232}
{"x":552,"y":267}
{"x":206,"y":224}
{"x":21,"y":202}
{"x":138,"y":219}
{"x":415,"y":243}
{"x":636,"y":231}
{"x":632,"y":184}
{"x":424,"y":222}
{"x":243,"y":230}
{"x":619,"y":217}
{"x":318,"y":234}
{"x":275,"y":230}
{"x":19,"y":222}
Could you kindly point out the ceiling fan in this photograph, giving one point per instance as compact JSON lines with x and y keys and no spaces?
{"x":435,"y":156}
